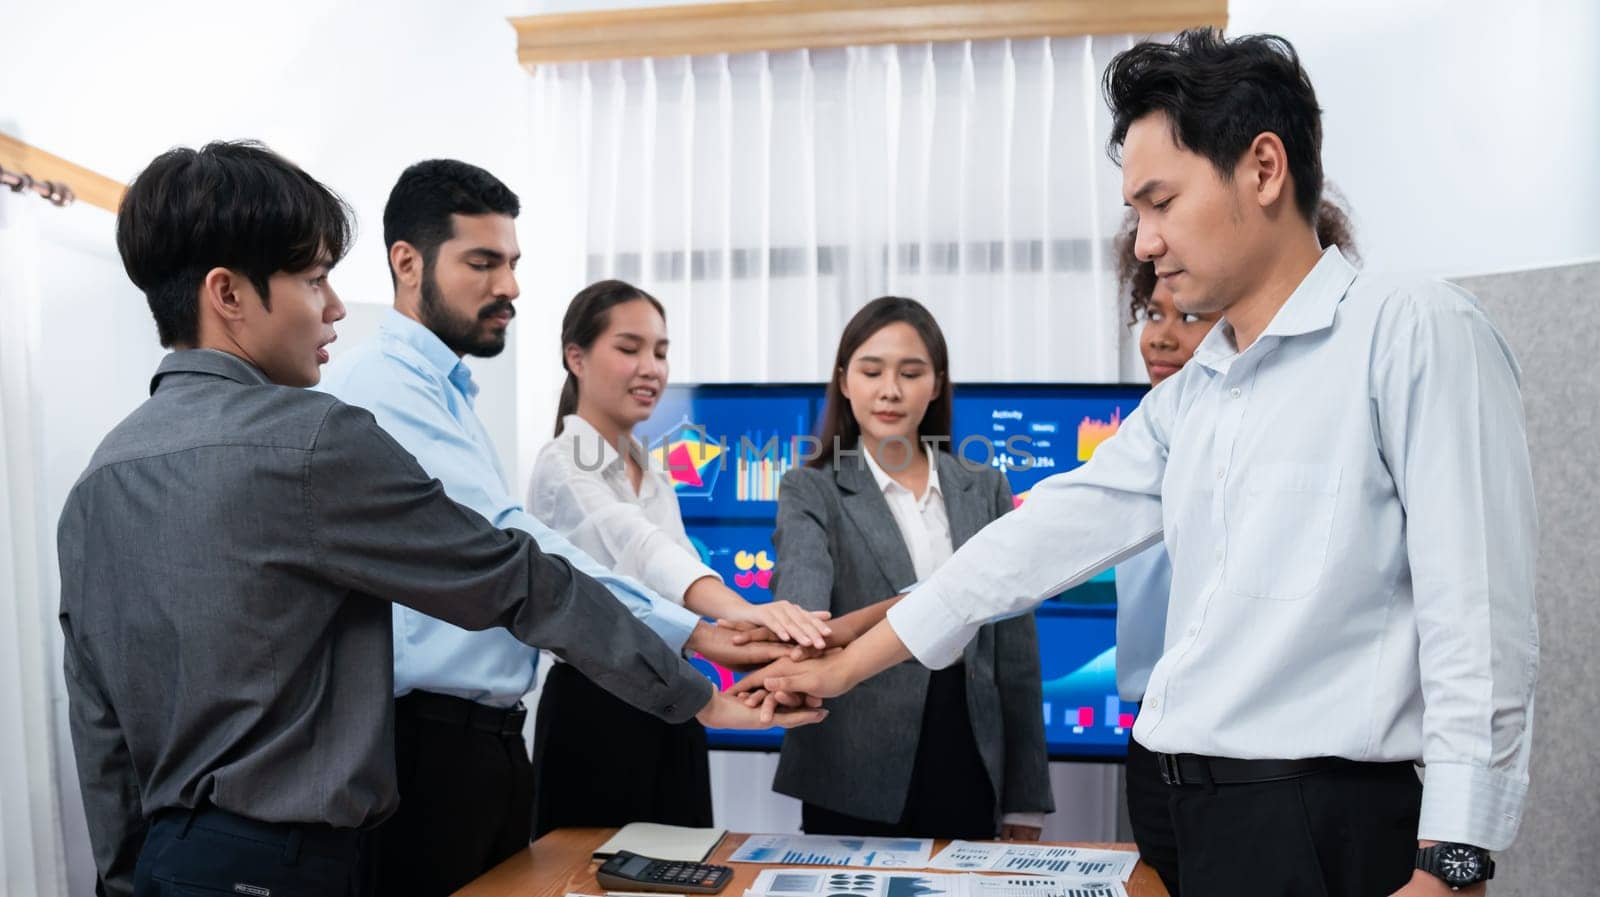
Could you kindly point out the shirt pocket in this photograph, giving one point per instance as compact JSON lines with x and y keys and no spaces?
{"x":1278,"y":549}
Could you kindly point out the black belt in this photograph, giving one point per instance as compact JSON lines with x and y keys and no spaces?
{"x":323,"y":840}
{"x":454,"y":711}
{"x":1193,"y":769}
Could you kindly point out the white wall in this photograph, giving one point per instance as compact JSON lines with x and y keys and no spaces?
{"x":352,"y":91}
{"x":1466,"y":133}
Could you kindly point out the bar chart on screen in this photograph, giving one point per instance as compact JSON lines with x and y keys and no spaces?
{"x":761,"y":459}
{"x":1092,"y":432}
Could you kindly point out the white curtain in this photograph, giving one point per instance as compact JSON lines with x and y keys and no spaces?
{"x":31,"y":849}
{"x":764,"y":197}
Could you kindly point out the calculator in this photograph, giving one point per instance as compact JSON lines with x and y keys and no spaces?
{"x":630,"y":872}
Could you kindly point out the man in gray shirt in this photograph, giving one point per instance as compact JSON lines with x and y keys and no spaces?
{"x":228,"y":657}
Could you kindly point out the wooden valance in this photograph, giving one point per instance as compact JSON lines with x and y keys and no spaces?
{"x":793,"y":24}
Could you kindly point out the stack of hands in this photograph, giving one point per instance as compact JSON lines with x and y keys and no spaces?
{"x":793,"y":658}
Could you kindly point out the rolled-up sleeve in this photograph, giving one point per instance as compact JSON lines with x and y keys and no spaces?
{"x":582,"y":504}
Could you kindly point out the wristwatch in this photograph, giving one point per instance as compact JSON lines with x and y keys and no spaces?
{"x":1457,"y":865}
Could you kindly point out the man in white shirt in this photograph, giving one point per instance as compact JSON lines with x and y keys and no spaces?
{"x":1341,"y":479}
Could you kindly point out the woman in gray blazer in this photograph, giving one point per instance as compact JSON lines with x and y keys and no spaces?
{"x":953,"y":753}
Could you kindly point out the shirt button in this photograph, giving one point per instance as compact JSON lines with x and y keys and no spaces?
{"x":1234,"y":392}
{"x":1193,"y":631}
{"x":1218,"y":555}
{"x":1220,"y":472}
{"x":1155,"y":703}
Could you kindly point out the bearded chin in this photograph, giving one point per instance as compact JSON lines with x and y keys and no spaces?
{"x":458,"y":332}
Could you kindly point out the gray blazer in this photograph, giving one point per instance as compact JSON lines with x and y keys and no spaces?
{"x":839,"y":549}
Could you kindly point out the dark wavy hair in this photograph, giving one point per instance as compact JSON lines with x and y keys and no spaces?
{"x":1137,"y":279}
{"x":229,"y":204}
{"x":1219,"y":95}
{"x":588,"y":315}
{"x":838,"y":421}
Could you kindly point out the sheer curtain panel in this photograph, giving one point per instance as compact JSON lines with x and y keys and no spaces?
{"x":31,"y":851}
{"x":764,"y":197}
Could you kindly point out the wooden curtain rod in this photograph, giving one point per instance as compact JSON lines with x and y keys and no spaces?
{"x":28,"y":161}
{"x":795,"y":24}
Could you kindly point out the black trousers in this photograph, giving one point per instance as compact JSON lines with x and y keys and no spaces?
{"x":598,"y":761}
{"x":1150,"y":812}
{"x":950,"y":795}
{"x":212,"y":851}
{"x":466,"y":791}
{"x":1348,"y":831}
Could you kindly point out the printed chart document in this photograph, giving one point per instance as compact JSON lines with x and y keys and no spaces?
{"x":1040,"y":859}
{"x":824,"y":883}
{"x":825,"y":850}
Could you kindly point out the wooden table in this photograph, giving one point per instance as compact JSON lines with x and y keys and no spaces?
{"x":561,"y":863}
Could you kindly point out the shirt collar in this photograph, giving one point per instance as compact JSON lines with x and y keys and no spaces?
{"x":433,"y":350}
{"x":209,"y":361}
{"x":1310,"y":308}
{"x":888,"y":483}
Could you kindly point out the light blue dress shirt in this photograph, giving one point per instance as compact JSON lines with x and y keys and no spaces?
{"x":1348,"y":506}
{"x":1144,"y":583}
{"x":422,"y":395}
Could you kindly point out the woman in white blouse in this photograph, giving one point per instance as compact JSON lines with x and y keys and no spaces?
{"x":598,"y":761}
{"x":956,"y":753}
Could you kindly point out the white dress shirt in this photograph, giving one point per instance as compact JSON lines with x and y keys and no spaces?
{"x":580,"y":489}
{"x":923,"y":521}
{"x":1348,"y":507}
{"x":924,"y":526}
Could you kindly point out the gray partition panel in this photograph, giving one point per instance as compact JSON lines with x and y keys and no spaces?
{"x":1551,"y":317}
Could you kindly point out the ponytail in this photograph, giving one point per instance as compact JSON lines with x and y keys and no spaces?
{"x":568,"y":403}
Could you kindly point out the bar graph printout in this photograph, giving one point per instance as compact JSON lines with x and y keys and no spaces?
{"x":822,"y":850}
{"x":1037,"y":859}
{"x":843,"y":883}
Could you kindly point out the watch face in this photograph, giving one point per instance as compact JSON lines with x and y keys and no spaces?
{"x":1460,"y":865}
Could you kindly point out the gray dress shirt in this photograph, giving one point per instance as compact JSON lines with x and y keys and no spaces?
{"x":227,"y":560}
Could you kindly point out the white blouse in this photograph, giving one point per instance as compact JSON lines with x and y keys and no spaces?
{"x":580,"y":489}
{"x":924,"y":523}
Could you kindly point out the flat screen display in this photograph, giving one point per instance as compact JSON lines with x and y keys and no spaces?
{"x":727,"y":447}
